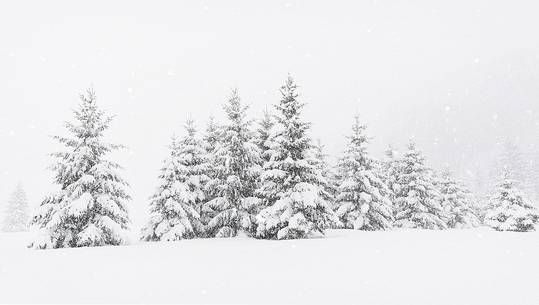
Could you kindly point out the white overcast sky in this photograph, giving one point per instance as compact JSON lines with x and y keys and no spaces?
{"x":459,"y":76}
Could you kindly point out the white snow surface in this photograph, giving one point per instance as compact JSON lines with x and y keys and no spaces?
{"x":473,"y":266}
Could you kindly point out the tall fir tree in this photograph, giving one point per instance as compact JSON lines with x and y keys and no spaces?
{"x":292,"y":184}
{"x":236,"y":163}
{"x":17,"y":215}
{"x":362,"y":196}
{"x":90,"y":209}
{"x":457,"y":202}
{"x":417,"y":201}
{"x":509,"y":209}
{"x":175,"y":207}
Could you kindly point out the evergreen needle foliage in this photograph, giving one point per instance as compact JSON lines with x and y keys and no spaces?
{"x":90,"y":207}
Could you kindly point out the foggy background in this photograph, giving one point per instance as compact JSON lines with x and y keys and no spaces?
{"x":461,"y":77}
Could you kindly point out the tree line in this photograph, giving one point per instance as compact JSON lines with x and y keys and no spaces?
{"x":264,"y":179}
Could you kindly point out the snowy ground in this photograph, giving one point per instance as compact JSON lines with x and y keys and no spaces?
{"x":400,"y":267}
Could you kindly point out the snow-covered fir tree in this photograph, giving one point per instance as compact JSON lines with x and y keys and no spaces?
{"x":175,"y":207}
{"x":264,"y":136}
{"x":212,"y":136}
{"x":90,"y":207}
{"x":210,"y":139}
{"x":292,"y":183}
{"x":457,"y":202}
{"x":362,"y":195}
{"x":17,"y":215}
{"x":417,"y":201}
{"x":236,"y":163}
{"x":328,"y":184}
{"x":389,"y":169}
{"x":509,"y":209}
